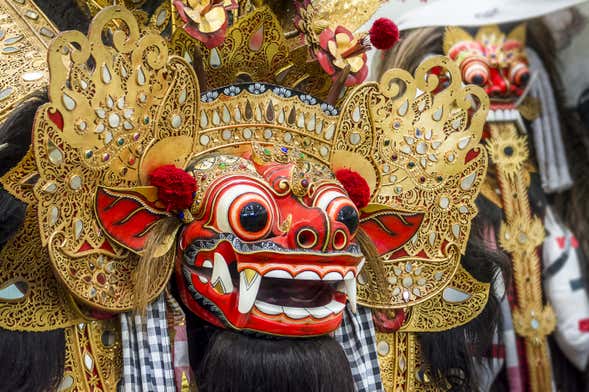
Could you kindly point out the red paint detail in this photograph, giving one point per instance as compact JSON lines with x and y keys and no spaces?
{"x":471,"y":154}
{"x":124,"y":218}
{"x":56,"y":118}
{"x":561,"y":241}
{"x":85,"y":247}
{"x":584,"y":325}
{"x":355,"y":185}
{"x":384,"y":34}
{"x":390,"y":231}
{"x":107,"y":246}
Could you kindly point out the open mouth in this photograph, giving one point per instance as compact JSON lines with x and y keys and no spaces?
{"x":295,"y":285}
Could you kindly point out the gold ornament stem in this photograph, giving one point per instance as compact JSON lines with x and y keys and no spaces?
{"x":521,"y":235}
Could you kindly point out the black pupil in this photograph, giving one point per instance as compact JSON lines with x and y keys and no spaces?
{"x":253,"y":217}
{"x":349,"y":217}
{"x":478,"y":80}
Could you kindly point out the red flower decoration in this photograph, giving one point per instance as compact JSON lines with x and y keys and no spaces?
{"x":206,"y":20}
{"x":355,"y":185}
{"x":338,"y":49}
{"x":175,"y":187}
{"x":384,"y":34}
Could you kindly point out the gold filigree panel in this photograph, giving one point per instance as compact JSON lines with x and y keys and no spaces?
{"x":25,"y":33}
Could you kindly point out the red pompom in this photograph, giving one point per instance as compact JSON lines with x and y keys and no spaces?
{"x":175,"y":187}
{"x":355,"y":185}
{"x":384,"y":34}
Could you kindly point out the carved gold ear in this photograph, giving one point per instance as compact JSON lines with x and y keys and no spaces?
{"x":518,"y":34}
{"x":454,"y":35}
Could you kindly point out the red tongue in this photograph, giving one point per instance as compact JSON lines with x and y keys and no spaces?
{"x":295,"y":293}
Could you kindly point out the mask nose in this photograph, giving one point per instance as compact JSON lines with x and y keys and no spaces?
{"x":498,"y":84}
{"x":317,"y":232}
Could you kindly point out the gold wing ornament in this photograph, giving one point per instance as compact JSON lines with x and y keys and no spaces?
{"x":416,"y":140}
{"x":111,"y":109}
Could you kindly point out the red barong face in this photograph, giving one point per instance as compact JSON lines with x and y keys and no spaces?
{"x":492,"y":60}
{"x":269,"y":251}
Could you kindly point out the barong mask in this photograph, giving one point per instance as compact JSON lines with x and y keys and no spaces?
{"x":263,"y":232}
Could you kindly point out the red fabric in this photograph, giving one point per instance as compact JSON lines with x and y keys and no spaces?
{"x":175,"y":187}
{"x":355,"y":185}
{"x":384,"y":34}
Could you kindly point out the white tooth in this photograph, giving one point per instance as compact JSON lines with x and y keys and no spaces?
{"x":520,"y":121}
{"x":206,"y":264}
{"x":360,"y":266}
{"x":248,"y":289}
{"x":308,"y":275}
{"x":267,"y":308}
{"x":335,"y":306}
{"x":333,"y":276}
{"x":512,"y":114}
{"x":499,"y":115}
{"x":351,"y":292}
{"x":319,"y":312}
{"x":491,"y":116}
{"x":349,"y":275}
{"x":221,"y":274}
{"x":295,"y":313}
{"x":280,"y":274}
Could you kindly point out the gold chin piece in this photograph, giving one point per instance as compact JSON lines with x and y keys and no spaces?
{"x":25,"y":34}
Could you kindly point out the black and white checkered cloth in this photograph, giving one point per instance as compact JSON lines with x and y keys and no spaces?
{"x":357,"y":336}
{"x":147,"y":358}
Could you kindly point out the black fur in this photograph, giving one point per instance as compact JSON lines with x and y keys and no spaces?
{"x":237,"y":362}
{"x":31,"y":361}
{"x":65,"y":14}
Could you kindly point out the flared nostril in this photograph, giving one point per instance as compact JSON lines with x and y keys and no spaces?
{"x":307,"y":238}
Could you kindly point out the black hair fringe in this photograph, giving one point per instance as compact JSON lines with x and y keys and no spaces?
{"x":31,"y":361}
{"x":238,"y":362}
{"x":65,"y":14}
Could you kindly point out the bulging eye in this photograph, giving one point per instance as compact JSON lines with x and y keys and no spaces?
{"x":245,"y":211}
{"x":475,"y":71}
{"x":519,"y":73}
{"x":340,"y":208}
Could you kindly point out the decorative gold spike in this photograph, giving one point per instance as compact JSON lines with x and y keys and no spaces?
{"x":454,"y":35}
